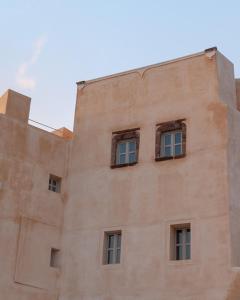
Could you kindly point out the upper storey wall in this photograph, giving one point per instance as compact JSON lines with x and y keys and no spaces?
{"x":186,"y":88}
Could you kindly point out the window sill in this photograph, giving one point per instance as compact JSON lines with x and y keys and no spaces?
{"x":111,"y":266}
{"x":181,"y":262}
{"x":123,"y":165}
{"x":169,"y":157}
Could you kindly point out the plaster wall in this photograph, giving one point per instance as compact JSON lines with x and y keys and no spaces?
{"x":31,"y":216}
{"x":145,"y":199}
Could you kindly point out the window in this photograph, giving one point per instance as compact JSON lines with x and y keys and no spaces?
{"x":112,"y":248}
{"x":126,"y":151}
{"x":181,"y":242}
{"x":125,"y":148}
{"x":55,"y":258}
{"x":171,"y":144}
{"x":170,"y":140}
{"x":54,"y":184}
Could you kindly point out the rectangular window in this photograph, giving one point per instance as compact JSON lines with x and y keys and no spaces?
{"x":181,"y":242}
{"x":125,"y":148}
{"x":112,"y":248}
{"x":55,"y":258}
{"x":170,"y":140}
{"x":171,"y":144}
{"x":54,"y":183}
{"x":126,"y":151}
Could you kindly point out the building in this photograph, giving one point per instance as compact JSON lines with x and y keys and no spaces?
{"x":141,"y":201}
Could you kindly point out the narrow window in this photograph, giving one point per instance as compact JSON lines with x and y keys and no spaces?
{"x":54,"y":184}
{"x":55,"y":258}
{"x":125,"y":148}
{"x":170,"y":140}
{"x":112,"y":248}
{"x":181,"y":242}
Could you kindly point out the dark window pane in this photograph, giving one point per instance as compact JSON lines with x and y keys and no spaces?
{"x":132,"y":157}
{"x":111,"y":241}
{"x":132,"y":146}
{"x":188,"y":236}
{"x":188,"y":251}
{"x":179,"y":236}
{"x":167,"y":139}
{"x":118,"y":256}
{"x":122,"y":159}
{"x":167,"y":151}
{"x":110,"y":257}
{"x":122,"y":148}
{"x":179,"y":253}
{"x":178,"y":138}
{"x":118,"y":240}
{"x":178,"y":150}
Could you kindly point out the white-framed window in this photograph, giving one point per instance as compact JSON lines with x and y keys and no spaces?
{"x":54,"y":183}
{"x":182,"y":243}
{"x":171,"y":144}
{"x":126,"y":151}
{"x":112,"y":247}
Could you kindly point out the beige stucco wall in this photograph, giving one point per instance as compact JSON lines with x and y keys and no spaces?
{"x":30,"y":215}
{"x":142,"y":201}
{"x":145,"y":199}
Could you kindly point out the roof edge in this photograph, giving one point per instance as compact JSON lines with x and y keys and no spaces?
{"x":84,"y":82}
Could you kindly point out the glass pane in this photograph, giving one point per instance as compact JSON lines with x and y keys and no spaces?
{"x":132,"y":146}
{"x":179,"y":236}
{"x":110,"y":257}
{"x":167,"y":139}
{"x":178,"y":138}
{"x":118,"y":256}
{"x":111,"y":241}
{"x":132,"y":157}
{"x":179,"y":253}
{"x":122,"y":159}
{"x":168,"y":151}
{"x":53,"y":189}
{"x":188,"y":236}
{"x":188,"y":251}
{"x":178,"y":150}
{"x":119,"y":241}
{"x":122,"y":148}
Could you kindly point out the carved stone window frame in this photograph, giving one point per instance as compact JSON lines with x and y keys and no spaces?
{"x":119,"y":136}
{"x":169,"y":127}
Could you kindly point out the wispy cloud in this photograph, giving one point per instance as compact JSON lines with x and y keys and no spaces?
{"x":22,"y":78}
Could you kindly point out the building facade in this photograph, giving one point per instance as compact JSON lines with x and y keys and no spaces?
{"x":141,"y":201}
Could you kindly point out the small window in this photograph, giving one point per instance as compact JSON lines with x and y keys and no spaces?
{"x":170,"y":140}
{"x":126,"y":152}
{"x":181,"y":242}
{"x":55,"y":258}
{"x":125,"y":148}
{"x":112,"y":248}
{"x":54,"y":184}
{"x":171,"y":144}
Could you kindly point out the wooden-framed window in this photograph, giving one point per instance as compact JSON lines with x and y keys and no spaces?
{"x":125,"y":148}
{"x":181,"y":242}
{"x":54,"y":183}
{"x":112,"y":247}
{"x":170,"y":140}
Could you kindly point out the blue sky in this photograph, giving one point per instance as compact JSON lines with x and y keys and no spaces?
{"x":46,"y":46}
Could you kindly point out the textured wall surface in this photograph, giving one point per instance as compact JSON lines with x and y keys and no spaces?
{"x":143,"y":201}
